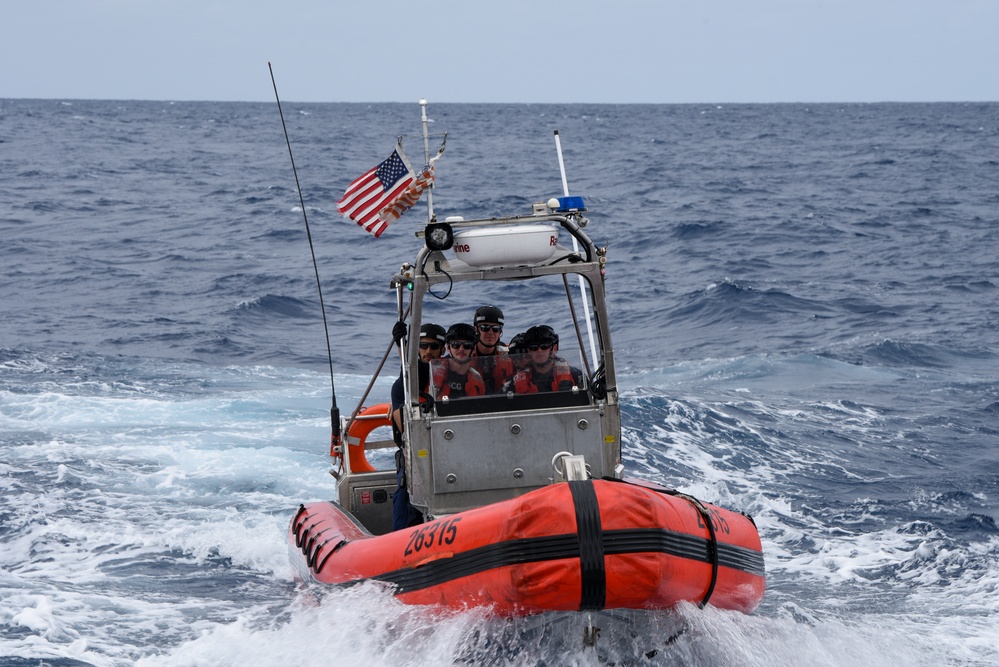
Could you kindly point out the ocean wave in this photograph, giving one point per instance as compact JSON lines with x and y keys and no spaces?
{"x":802,"y":322}
{"x":274,"y":304}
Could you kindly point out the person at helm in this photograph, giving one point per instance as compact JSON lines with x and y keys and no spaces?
{"x":490,"y":357}
{"x":432,"y":337}
{"x":546,"y":370}
{"x":453,"y":376}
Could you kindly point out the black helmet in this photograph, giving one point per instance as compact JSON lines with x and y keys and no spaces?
{"x":435,"y":331}
{"x":488,"y":314}
{"x":517,"y":344}
{"x":542,"y":334}
{"x":461,"y":331}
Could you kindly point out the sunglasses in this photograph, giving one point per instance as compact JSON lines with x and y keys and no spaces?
{"x":534,"y":347}
{"x":486,"y":328}
{"x":454,"y":345}
{"x":430,"y":346}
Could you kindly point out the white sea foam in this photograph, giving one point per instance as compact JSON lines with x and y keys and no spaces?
{"x":868,"y":565}
{"x":367,"y":626}
{"x":129,"y":506}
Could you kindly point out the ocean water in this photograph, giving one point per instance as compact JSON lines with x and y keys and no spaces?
{"x":804,"y":303}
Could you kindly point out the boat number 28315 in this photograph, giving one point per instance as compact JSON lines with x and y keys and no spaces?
{"x":441,"y":532}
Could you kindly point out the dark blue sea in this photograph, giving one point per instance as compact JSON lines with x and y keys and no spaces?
{"x":804,"y":302}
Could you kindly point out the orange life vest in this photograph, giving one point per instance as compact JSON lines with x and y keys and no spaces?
{"x":495,"y":369}
{"x":472,"y":385}
{"x":523,"y":382}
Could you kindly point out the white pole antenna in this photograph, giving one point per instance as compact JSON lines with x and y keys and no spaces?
{"x":575,"y":248}
{"x":426,"y":160}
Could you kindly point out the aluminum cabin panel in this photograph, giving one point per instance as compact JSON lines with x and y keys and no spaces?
{"x":511,"y":451}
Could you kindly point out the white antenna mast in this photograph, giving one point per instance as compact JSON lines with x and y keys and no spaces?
{"x":575,"y":248}
{"x":426,"y":160}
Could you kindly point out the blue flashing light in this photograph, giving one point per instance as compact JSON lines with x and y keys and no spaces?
{"x":566,"y":204}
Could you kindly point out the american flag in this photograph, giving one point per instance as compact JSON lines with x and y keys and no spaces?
{"x":382,"y":194}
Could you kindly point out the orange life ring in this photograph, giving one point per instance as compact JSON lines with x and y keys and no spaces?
{"x":366,"y":421}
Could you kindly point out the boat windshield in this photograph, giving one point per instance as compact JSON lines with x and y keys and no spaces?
{"x":466,"y":388}
{"x":528,"y":369}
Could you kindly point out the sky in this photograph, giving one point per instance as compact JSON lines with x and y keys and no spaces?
{"x":507,"y":51}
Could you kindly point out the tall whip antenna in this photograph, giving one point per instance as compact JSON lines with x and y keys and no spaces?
{"x":334,"y":411}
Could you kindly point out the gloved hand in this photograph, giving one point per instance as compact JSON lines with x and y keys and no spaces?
{"x":399,"y":331}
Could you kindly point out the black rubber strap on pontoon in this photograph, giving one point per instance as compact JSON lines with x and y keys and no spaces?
{"x":712,"y":544}
{"x":297,"y":525}
{"x":591,"y":546}
{"x":336,"y":547}
{"x":558,"y":547}
{"x":682,"y":545}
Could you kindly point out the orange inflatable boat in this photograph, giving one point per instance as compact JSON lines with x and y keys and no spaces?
{"x":517,"y":488}
{"x":578,"y":545}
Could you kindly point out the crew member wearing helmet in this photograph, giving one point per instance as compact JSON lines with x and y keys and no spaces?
{"x":431,"y":347}
{"x":490,"y":356}
{"x":546,"y":371}
{"x":454,"y":376}
{"x":432,"y":339}
{"x":518,"y":353}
